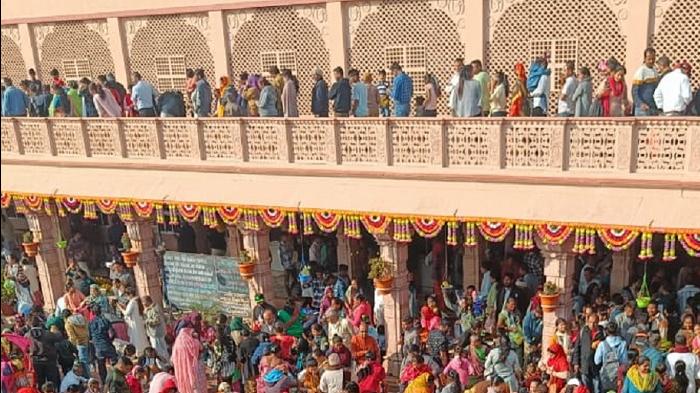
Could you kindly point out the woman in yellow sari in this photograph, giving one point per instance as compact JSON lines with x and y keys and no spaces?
{"x":223,"y":85}
{"x":423,"y":383}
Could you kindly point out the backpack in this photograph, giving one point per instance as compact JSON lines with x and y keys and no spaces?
{"x":608,"y":369}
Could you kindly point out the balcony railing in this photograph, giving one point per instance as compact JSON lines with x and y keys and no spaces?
{"x":670,"y":145}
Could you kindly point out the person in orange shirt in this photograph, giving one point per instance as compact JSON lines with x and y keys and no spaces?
{"x":362,"y":343}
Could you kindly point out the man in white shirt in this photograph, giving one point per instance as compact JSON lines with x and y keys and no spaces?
{"x":566,"y":102}
{"x":673,"y":94}
{"x":540,"y":96}
{"x":454,"y":81}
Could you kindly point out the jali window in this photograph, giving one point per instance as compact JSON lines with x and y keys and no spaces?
{"x":170,"y":72}
{"x":283,"y":59}
{"x":75,"y":69}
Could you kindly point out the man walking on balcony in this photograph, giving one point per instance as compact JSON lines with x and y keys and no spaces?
{"x":645,"y":81}
{"x":201,"y":98}
{"x":144,"y":96}
{"x":402,"y":91}
{"x":340,"y":93}
{"x":14,"y":101}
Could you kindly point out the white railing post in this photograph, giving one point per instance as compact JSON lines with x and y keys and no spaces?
{"x":389,"y":143}
{"x":121,"y":139}
{"x":199,"y":150}
{"x":500,"y":148}
{"x":156,"y":127}
{"x":444,"y":145}
{"x":287,"y":154}
{"x":84,"y":138}
{"x":692,"y":159}
{"x":337,"y":141}
{"x":18,"y":136}
{"x":243,"y":137}
{"x":626,"y":146}
{"x":50,"y":140}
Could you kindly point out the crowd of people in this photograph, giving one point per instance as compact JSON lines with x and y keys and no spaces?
{"x":330,"y":338}
{"x":659,"y":88}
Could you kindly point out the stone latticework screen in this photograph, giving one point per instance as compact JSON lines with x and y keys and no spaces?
{"x":157,"y":45}
{"x":288,"y":37}
{"x":63,"y":45}
{"x":583,"y":31}
{"x":678,"y":35}
{"x":12,"y":61}
{"x":414,"y":32}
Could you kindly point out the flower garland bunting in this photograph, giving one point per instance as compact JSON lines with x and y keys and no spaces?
{"x":617,"y":239}
{"x":452,"y":233}
{"x":73,"y":205}
{"x":89,"y":210}
{"x":306,"y":221}
{"x":124,"y":211}
{"x":469,"y":234}
{"x":375,"y":225}
{"x":428,"y":227}
{"x":584,"y":241}
{"x":172,"y":213}
{"x":645,"y":251}
{"x":59,"y":208}
{"x":5,"y":200}
{"x":143,"y":209}
{"x":523,"y":237}
{"x":47,"y":207}
{"x":292,"y":223}
{"x":250,"y":220}
{"x":189,"y":212}
{"x":494,"y":231}
{"x":209,"y":217}
{"x":272,"y":217}
{"x":160,"y":216}
{"x":327,"y":221}
{"x":402,"y":230}
{"x":106,"y":206}
{"x":553,"y":234}
{"x":229,"y":214}
{"x":691,"y":243}
{"x":669,"y":253}
{"x":33,"y":203}
{"x":351,"y":226}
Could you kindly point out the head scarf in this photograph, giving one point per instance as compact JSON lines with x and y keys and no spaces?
{"x":224,"y":81}
{"x":273,"y":376}
{"x":557,"y":359}
{"x":253,"y":81}
{"x":185,"y":360}
{"x":520,"y":71}
{"x":643,"y":383}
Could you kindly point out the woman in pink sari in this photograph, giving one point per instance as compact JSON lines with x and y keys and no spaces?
{"x":189,"y":370}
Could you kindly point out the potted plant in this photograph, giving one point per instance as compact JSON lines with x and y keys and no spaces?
{"x":61,"y":243}
{"x":8,"y":297}
{"x":549,"y":297}
{"x":130,"y":256}
{"x":380,"y":272}
{"x":31,"y":247}
{"x":246,"y":265}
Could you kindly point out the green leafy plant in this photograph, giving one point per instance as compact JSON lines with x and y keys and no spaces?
{"x":379,"y":268}
{"x":550,"y":288}
{"x":246,"y":258}
{"x":28,"y":237}
{"x":8,"y":291}
{"x":126,"y":242}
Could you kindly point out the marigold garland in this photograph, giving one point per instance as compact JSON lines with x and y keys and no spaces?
{"x":494,"y":231}
{"x":402,"y":230}
{"x":292,"y":223}
{"x":124,"y":211}
{"x":554,"y":234}
{"x":59,"y":208}
{"x":143,"y":209}
{"x":209,"y":216}
{"x":452,"y":233}
{"x":250,"y":220}
{"x":229,"y":214}
{"x":691,"y":243}
{"x":189,"y":212}
{"x":306,"y":221}
{"x":107,"y":206}
{"x":351,"y":226}
{"x":73,"y":205}
{"x":375,"y":225}
{"x":89,"y":210}
{"x":272,"y":217}
{"x":428,"y":227}
{"x":33,"y":203}
{"x":327,"y":221}
{"x":172,"y":213}
{"x":645,"y":251}
{"x":470,"y":234}
{"x":584,"y":241}
{"x":47,"y":207}
{"x":160,"y":216}
{"x":5,"y":200}
{"x":523,"y":237}
{"x":669,"y":253}
{"x":617,"y":239}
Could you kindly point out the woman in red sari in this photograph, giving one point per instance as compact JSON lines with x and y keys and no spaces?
{"x":519,"y":96}
{"x":557,"y":367}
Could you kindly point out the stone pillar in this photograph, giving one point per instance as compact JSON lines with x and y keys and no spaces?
{"x":396,"y":302}
{"x":621,"y":269}
{"x":339,"y":32}
{"x":119,"y":50}
{"x":234,"y":244}
{"x":471,"y":261}
{"x":147,"y":272}
{"x":344,"y":250}
{"x":257,"y":243}
{"x":50,"y":261}
{"x":30,"y":53}
{"x":636,"y":20}
{"x":219,"y":45}
{"x":474,"y":33}
{"x":559,"y":268}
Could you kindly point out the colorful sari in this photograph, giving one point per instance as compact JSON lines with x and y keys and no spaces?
{"x":517,"y":99}
{"x":189,"y":371}
{"x":559,"y":363}
{"x":223,"y":85}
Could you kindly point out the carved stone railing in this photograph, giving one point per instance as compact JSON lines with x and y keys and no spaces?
{"x":670,"y":145}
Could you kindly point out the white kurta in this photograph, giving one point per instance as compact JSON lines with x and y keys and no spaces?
{"x":136,"y":327}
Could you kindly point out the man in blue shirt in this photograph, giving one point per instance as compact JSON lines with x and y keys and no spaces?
{"x":402,"y":91}
{"x":14,"y":101}
{"x":144,"y":96}
{"x":201,"y":98}
{"x":340,"y":93}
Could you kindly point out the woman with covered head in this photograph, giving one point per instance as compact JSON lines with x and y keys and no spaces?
{"x":189,"y":370}
{"x":518,"y":100}
{"x":503,"y":362}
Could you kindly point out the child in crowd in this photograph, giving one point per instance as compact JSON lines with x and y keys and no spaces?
{"x":383,"y":90}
